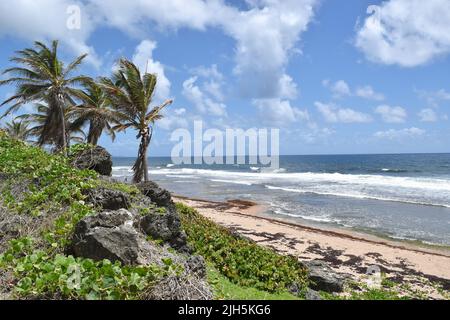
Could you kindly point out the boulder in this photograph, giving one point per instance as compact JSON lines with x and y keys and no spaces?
{"x":156,"y":194}
{"x":107,"y":235}
{"x":323,"y":278}
{"x":312,"y":295}
{"x":108,"y":199}
{"x":196,"y":265}
{"x":95,"y":158}
{"x":166,"y":227}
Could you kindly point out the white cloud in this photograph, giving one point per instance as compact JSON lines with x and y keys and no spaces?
{"x":339,"y":88}
{"x":406,"y":32}
{"x":334,"y":114}
{"x":391,"y":114}
{"x":214,"y":81}
{"x":433,"y":98}
{"x":367,"y":92}
{"x":399,"y":134}
{"x":279,"y":112}
{"x":203,"y":102}
{"x":427,"y":115}
{"x":173,"y":119}
{"x":143,"y":59}
{"x":46,"y":20}
{"x":265,"y":34}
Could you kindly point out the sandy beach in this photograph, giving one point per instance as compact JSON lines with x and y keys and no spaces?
{"x":348,"y":253}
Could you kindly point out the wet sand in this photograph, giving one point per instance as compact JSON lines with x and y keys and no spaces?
{"x":348,"y":253}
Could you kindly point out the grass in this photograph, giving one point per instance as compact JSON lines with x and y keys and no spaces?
{"x":224,"y":289}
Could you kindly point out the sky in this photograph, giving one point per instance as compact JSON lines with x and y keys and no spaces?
{"x":336,"y":77}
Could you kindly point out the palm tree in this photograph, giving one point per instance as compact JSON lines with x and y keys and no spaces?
{"x":95,"y":108}
{"x":18,"y":129}
{"x":41,"y":77}
{"x":130,"y":95}
{"x":36,"y":122}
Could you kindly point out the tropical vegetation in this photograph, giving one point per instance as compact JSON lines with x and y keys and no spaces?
{"x":64,"y":102}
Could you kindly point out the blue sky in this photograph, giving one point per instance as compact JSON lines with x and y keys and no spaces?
{"x":333,"y":76}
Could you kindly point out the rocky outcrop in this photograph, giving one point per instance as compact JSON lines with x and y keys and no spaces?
{"x":157,"y":194}
{"x":165,"y":227}
{"x":95,"y":158}
{"x":115,"y":236}
{"x":312,"y":295}
{"x":323,"y":278}
{"x":108,"y":199}
{"x":108,"y":235}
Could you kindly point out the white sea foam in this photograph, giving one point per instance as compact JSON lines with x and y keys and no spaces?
{"x":231,"y":181}
{"x":352,"y":194}
{"x":419,"y":183}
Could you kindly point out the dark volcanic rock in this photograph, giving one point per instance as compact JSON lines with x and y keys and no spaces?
{"x":108,"y":199}
{"x":166,"y":227}
{"x":107,"y":235}
{"x":158,"y":195}
{"x":323,"y":278}
{"x":96,"y":158}
{"x":197,"y":265}
{"x":312,"y":295}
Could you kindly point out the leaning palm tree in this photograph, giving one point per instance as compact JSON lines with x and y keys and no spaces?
{"x":41,"y":77}
{"x":18,"y":129}
{"x":95,"y":109}
{"x":36,"y":123}
{"x":130,"y":94}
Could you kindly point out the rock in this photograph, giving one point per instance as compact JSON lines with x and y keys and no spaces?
{"x":196,"y":265}
{"x":323,"y":278}
{"x":158,"y":195}
{"x":312,"y":295}
{"x":108,"y":199}
{"x":166,"y":227}
{"x":96,"y":158}
{"x":107,"y":235}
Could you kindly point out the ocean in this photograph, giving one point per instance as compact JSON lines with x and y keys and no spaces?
{"x":403,"y":197}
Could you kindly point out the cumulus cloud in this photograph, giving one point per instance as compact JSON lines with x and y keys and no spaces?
{"x":405,"y":32}
{"x":204,"y":102}
{"x":427,"y":115}
{"x":391,"y":114}
{"x":339,"y":88}
{"x":143,"y":59}
{"x":29,"y":20}
{"x":434,"y":98}
{"x":173,"y":119}
{"x":266,"y":33}
{"x":334,"y":114}
{"x":367,"y":92}
{"x":393,"y":134}
{"x":279,"y":112}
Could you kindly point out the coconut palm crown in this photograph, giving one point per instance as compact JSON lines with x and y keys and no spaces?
{"x":131,"y":94}
{"x":41,"y":77}
{"x":95,"y":108}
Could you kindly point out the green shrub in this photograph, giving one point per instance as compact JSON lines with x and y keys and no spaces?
{"x":241,"y":261}
{"x":39,"y":265}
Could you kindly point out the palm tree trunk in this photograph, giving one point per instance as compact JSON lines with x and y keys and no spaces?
{"x":60,"y":101}
{"x":95,"y":131}
{"x":140,"y":167}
